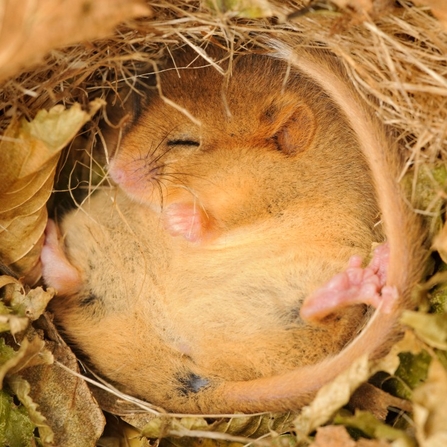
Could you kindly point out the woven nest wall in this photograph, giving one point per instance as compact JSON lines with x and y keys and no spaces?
{"x":61,"y":63}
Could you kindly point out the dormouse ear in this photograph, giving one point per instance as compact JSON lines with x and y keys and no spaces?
{"x":295,"y":129}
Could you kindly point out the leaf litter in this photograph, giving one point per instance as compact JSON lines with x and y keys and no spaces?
{"x":394,"y":52}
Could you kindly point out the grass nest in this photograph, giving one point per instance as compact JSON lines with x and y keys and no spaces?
{"x":61,"y":63}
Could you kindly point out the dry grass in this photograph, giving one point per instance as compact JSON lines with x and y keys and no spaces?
{"x":398,"y":59}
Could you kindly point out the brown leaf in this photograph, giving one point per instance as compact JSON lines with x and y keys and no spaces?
{"x":372,"y":428}
{"x":390,"y":363}
{"x":369,"y":398}
{"x":8,"y":320}
{"x":430,"y":408}
{"x":331,"y":397}
{"x":337,"y":436}
{"x":20,"y":306}
{"x":332,"y":436}
{"x":32,"y":304}
{"x":29,"y":152}
{"x":376,"y":443}
{"x":63,"y":398}
{"x":6,"y":280}
{"x":440,"y":243}
{"x":30,"y":29}
{"x":431,"y":328}
{"x":31,"y":352}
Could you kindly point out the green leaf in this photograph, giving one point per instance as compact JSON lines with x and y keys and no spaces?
{"x":431,"y":328}
{"x":373,"y":428}
{"x":6,"y":352}
{"x":412,"y":371}
{"x":413,"y":368}
{"x":16,"y":428}
{"x":438,"y":298}
{"x":426,"y":190}
{"x":22,"y":389}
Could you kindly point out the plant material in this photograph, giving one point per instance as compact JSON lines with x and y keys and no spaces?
{"x":29,"y":152}
{"x":31,"y":29}
{"x":430,"y":408}
{"x":396,"y":60}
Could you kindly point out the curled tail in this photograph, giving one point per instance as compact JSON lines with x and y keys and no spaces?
{"x":404,"y":235}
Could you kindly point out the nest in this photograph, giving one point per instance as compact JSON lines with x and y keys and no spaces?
{"x":395,"y":54}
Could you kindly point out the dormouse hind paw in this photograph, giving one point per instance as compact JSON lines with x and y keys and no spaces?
{"x":57,"y":271}
{"x":356,"y":285}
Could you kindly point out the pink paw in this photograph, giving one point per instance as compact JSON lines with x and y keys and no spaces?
{"x":57,"y":271}
{"x":356,"y":285}
{"x":185,"y":219}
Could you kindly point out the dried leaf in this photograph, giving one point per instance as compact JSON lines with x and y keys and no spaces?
{"x":242,"y":8}
{"x":29,"y":152}
{"x":12,"y":323}
{"x":392,"y":361}
{"x":240,"y":425}
{"x":63,"y":398}
{"x":373,"y":428}
{"x":6,"y":280}
{"x":161,"y":426}
{"x":376,"y":401}
{"x":380,"y":443}
{"x":431,"y":328}
{"x":22,"y":306}
{"x":360,"y":5}
{"x":337,"y":436}
{"x":134,"y":438}
{"x":29,"y":354}
{"x":430,"y":408}
{"x":331,"y":397}
{"x":155,"y":426}
{"x":32,"y":304}
{"x":332,"y":436}
{"x":440,"y":243}
{"x":31,"y":29}
{"x":8,"y":321}
{"x":54,"y":128}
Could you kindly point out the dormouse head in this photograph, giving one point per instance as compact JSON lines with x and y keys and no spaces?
{"x":222,"y":140}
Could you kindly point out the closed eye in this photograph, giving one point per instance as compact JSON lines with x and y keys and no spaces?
{"x":183,"y":143}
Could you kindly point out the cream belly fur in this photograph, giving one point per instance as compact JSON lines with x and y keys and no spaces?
{"x":185,"y":286}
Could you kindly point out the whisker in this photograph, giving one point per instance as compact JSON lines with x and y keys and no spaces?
{"x":184,"y":174}
{"x":160,"y":185}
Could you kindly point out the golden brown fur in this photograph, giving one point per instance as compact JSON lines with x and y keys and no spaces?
{"x":190,"y":284}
